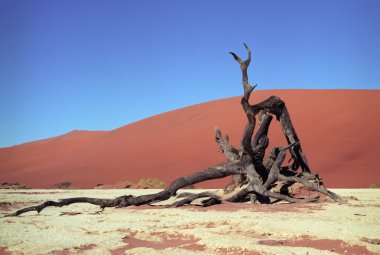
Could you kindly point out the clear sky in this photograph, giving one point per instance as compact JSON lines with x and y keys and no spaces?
{"x":99,"y":65}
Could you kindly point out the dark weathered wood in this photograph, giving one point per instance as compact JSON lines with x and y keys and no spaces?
{"x":259,"y":145}
{"x":312,"y":186}
{"x":291,"y":136}
{"x":252,"y":176}
{"x":269,"y":160}
{"x":232,"y":154}
{"x":245,"y":144}
{"x":229,"y":151}
{"x":277,"y":107}
{"x":216,"y":172}
{"x":68,"y":201}
{"x":275,"y":170}
{"x":192,"y":197}
{"x":267,"y":193}
{"x":244,"y":70}
{"x":240,"y":196}
{"x":263,"y":130}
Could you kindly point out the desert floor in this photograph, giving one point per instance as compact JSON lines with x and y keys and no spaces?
{"x":319,"y":228}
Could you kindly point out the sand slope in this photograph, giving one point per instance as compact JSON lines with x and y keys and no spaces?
{"x":338,"y":130}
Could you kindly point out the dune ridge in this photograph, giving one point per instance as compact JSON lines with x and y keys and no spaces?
{"x":338,"y":130}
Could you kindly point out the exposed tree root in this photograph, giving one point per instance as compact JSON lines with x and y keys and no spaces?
{"x":254,"y":177}
{"x":213,"y":199}
{"x":216,"y":172}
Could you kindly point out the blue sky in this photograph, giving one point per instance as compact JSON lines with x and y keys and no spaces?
{"x":99,"y":65}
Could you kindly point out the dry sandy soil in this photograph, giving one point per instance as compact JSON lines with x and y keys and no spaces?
{"x":320,"y":228}
{"x":338,"y":130}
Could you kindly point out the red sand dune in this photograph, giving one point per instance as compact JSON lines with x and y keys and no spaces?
{"x":338,"y":130}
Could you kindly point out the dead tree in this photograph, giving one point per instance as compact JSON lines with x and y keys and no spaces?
{"x":255,"y":178}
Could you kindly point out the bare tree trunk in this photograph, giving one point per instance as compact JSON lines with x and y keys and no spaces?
{"x":253,"y":177}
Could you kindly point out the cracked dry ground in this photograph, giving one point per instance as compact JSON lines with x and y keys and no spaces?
{"x":319,"y":228}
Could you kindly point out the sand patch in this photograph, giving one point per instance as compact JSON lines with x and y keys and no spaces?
{"x":333,"y":245}
{"x":75,"y":250}
{"x":165,"y":241}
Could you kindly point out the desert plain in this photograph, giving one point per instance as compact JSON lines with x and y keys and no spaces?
{"x":352,"y":227}
{"x":339,"y":134}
